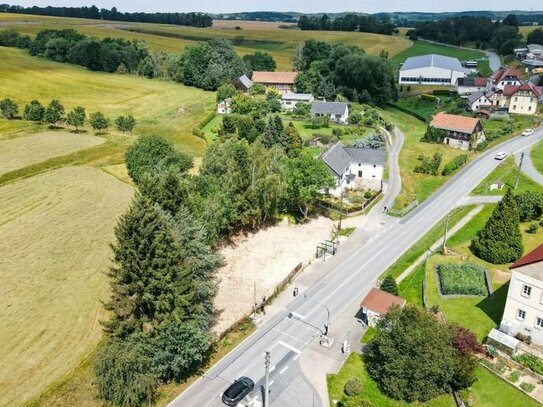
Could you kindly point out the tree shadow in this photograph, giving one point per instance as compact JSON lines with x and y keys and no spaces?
{"x":494,"y":304}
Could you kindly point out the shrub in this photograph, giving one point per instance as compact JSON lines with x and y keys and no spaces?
{"x":353,"y":387}
{"x":337,"y":132}
{"x":482,"y":146}
{"x":389,"y":285}
{"x":492,"y":351}
{"x":530,"y":361}
{"x":527,"y":387}
{"x":514,"y":376}
{"x":455,"y":164}
{"x":434,"y":135}
{"x":530,"y":205}
{"x":426,"y":96}
{"x":8,"y":109}
{"x":373,"y":141}
{"x":429,"y":165}
{"x":319,"y":122}
{"x":441,"y":92}
{"x":465,"y":279}
{"x":355,"y":118}
{"x":532,"y":229}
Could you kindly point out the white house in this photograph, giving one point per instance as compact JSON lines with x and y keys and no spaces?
{"x":355,"y":168}
{"x":477,"y":101}
{"x":225,"y":107}
{"x":290,"y":100}
{"x":432,"y":69}
{"x":523,"y":311}
{"x":519,"y":99}
{"x":377,"y":303}
{"x":468,"y":86}
{"x":338,"y":112}
{"x":503,"y":77}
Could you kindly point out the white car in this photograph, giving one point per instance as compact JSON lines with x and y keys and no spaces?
{"x":501,"y":155}
{"x":528,"y":132}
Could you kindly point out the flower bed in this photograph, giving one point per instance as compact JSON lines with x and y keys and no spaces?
{"x":462,"y":279}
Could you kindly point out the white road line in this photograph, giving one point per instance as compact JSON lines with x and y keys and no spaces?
{"x":272,"y":368}
{"x":272,"y":382}
{"x":296,"y":315}
{"x":306,"y":326}
{"x":283,"y":370}
{"x":290,"y":336}
{"x":292,"y":348}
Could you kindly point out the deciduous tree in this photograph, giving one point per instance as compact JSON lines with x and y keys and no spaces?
{"x":98,"y":121}
{"x":8,"y":108}
{"x":76,"y":117}
{"x":54,"y":113}
{"x":34,"y":111}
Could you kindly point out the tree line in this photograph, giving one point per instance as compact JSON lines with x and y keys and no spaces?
{"x":503,"y":36}
{"x":349,"y":22}
{"x":327,"y":70}
{"x":199,"y":20}
{"x":55,"y":114}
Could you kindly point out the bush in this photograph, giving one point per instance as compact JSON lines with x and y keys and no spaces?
{"x":527,"y":387}
{"x":464,"y":279}
{"x":455,"y":164}
{"x":429,"y":165}
{"x":434,"y":135}
{"x":425,"y":96}
{"x":353,"y":387}
{"x":373,"y":141}
{"x":530,"y":205}
{"x":441,"y":92}
{"x":481,"y":146}
{"x":531,"y":362}
{"x":514,"y":376}
{"x":532,"y":229}
{"x":319,"y":122}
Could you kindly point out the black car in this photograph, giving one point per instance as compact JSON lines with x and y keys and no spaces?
{"x":237,"y":391}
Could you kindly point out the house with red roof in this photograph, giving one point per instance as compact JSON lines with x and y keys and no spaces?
{"x":503,"y":77}
{"x":517,"y":99}
{"x":377,"y":303}
{"x":464,"y":133}
{"x":523,"y":311}
{"x":283,"y":82}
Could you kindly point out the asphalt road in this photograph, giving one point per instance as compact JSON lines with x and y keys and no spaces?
{"x":289,"y":332}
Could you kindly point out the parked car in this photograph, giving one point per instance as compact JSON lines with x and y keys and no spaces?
{"x":528,"y":132}
{"x":237,"y":391}
{"x":501,"y":155}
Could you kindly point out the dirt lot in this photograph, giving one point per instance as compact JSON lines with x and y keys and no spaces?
{"x":24,"y":151}
{"x":55,"y":229}
{"x":266,"y":258}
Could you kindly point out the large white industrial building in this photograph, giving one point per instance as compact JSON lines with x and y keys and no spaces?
{"x":431,"y":70}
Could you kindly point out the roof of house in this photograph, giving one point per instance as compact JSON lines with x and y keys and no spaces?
{"x":454,"y":122}
{"x":336,"y":158}
{"x":468,"y":82}
{"x":535,"y":256}
{"x":502,"y":73}
{"x":297,"y":96}
{"x":432,"y":60}
{"x":474,"y":97}
{"x":245,"y":81}
{"x":329,"y":108}
{"x":528,"y":86}
{"x":274,"y":77}
{"x":533,"y":47}
{"x":381,"y":301}
{"x":367,"y":155}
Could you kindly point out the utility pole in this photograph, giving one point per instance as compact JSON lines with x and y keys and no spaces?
{"x":519,"y":168}
{"x":340,"y":213}
{"x":254,"y":299}
{"x":445,"y":234}
{"x":267,"y":362}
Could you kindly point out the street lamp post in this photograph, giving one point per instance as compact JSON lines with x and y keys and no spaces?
{"x":327,"y":325}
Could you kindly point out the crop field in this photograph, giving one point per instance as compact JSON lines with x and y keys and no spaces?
{"x":55,"y":230}
{"x":249,"y":25}
{"x":252,"y":37}
{"x":24,"y":151}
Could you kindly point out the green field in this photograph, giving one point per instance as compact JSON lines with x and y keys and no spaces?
{"x":537,"y":156}
{"x":280,"y":43}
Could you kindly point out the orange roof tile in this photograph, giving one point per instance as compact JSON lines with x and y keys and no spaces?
{"x":381,"y":301}
{"x":274,"y":77}
{"x":454,"y":122}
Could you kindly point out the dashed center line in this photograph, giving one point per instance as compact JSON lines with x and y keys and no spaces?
{"x":283,"y":370}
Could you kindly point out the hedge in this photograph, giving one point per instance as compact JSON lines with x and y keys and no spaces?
{"x":409,"y":112}
{"x":426,"y":96}
{"x":441,"y":92}
{"x":455,"y":164}
{"x":208,"y":118}
{"x":462,"y":279}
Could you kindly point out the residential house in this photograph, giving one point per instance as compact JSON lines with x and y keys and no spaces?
{"x":523,"y":311}
{"x":477,"y":101}
{"x":338,"y":112}
{"x":464,"y":133}
{"x":243,"y":83}
{"x":225,"y":107}
{"x":377,"y":303}
{"x":503,"y":77}
{"x":355,"y":168}
{"x":535,"y":51}
{"x":290,"y":100}
{"x":523,"y":99}
{"x":432,"y":69}
{"x":468,"y":86}
{"x":283,"y":82}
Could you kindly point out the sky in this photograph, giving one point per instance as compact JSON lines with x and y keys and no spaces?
{"x":306,"y":6}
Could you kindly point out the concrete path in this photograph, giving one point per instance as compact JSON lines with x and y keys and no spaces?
{"x":528,"y":166}
{"x":478,"y":200}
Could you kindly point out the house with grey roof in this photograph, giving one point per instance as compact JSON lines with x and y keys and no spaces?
{"x":338,"y":112}
{"x":478,"y":101}
{"x":432,"y":70}
{"x":244,"y":83}
{"x":290,"y":100}
{"x":355,"y":168}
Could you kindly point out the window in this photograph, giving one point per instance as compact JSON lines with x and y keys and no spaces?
{"x":526,"y":290}
{"x":374,"y":166}
{"x":521,"y":315}
{"x":539,"y":323}
{"x":359,"y":174}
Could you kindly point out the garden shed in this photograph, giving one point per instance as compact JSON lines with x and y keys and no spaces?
{"x":503,"y":342}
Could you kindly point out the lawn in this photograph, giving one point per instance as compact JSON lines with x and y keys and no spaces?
{"x":537,"y":156}
{"x":280,"y":43}
{"x":60,"y":223}
{"x":428,"y":108}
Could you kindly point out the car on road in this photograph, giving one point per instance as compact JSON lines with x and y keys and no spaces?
{"x":237,"y":391}
{"x":501,"y":155}
{"x":528,"y":132}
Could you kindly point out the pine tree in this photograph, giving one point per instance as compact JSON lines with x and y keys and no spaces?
{"x":389,"y":285}
{"x":500,"y":240}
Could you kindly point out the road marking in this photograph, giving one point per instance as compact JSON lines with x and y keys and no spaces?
{"x":292,"y":348}
{"x":283,"y":370}
{"x":272,"y":382}
{"x":296,"y":315}
{"x":290,"y":336}
{"x":272,"y":368}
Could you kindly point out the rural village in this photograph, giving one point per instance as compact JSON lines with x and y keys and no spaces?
{"x":263,"y":209}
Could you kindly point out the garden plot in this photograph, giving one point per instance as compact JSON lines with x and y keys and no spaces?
{"x":55,"y":230}
{"x":462,"y":279}
{"x":24,"y":151}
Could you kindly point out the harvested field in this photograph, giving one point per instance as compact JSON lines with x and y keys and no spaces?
{"x":266,"y":258}
{"x":55,"y":230}
{"x":249,"y":25}
{"x":24,"y":151}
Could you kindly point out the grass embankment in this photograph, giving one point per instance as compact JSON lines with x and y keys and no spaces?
{"x":537,"y":156}
{"x":280,"y":43}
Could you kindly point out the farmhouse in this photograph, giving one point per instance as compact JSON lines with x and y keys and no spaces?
{"x":503,"y":77}
{"x":290,"y":100}
{"x":535,"y":51}
{"x":520,"y":99}
{"x":225,"y":106}
{"x":477,"y":101}
{"x":338,"y":112}
{"x":464,"y":133}
{"x":432,"y":70}
{"x":377,"y":303}
{"x":468,"y":86}
{"x":523,"y":311}
{"x":283,"y":82}
{"x":355,"y":168}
